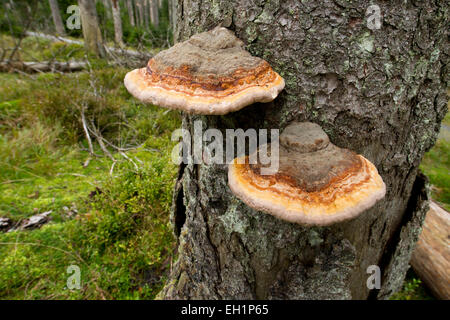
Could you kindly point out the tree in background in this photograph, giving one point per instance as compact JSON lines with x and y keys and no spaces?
{"x":154,"y":12}
{"x":172,"y":4}
{"x":118,"y":34}
{"x":140,"y":10}
{"x":146,"y":6}
{"x":106,"y":5}
{"x":130,"y":12}
{"x":91,"y":32}
{"x":59,"y":26}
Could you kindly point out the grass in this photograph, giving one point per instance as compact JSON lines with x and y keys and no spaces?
{"x":40,"y":49}
{"x":120,"y":238}
{"x":436,"y":165}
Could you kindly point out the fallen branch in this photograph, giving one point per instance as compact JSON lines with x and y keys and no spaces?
{"x":44,"y":66}
{"x":99,"y":138}
{"x":129,"y":159}
{"x":118,"y":51}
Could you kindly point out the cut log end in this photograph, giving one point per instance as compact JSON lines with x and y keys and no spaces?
{"x":431,"y":257}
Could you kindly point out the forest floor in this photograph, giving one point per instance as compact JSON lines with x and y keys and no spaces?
{"x":111,"y":221}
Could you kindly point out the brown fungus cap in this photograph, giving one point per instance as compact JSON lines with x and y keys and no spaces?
{"x":317,"y":183}
{"x":211,"y":73}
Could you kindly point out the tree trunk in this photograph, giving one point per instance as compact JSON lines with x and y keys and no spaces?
{"x":59,"y":26}
{"x":140,"y":6}
{"x":91,"y":31}
{"x":154,"y":13}
{"x":136,"y":12}
{"x":173,"y":15}
{"x":107,"y":8}
{"x":431,"y":257}
{"x":118,"y":34}
{"x":146,"y":7}
{"x":131,"y":12}
{"x":380,"y":93}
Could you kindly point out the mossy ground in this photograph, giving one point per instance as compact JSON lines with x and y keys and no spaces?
{"x":114,"y":227}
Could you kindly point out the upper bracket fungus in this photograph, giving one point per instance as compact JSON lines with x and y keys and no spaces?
{"x":211,"y":73}
{"x":317,"y":183}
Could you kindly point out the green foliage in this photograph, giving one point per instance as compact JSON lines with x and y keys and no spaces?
{"x":40,"y":49}
{"x":120,"y":238}
{"x":413,"y":289}
{"x":436,"y":165}
{"x":24,"y":15}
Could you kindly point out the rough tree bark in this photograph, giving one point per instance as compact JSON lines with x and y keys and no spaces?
{"x":59,"y":26}
{"x":91,"y":31}
{"x":378,"y":92}
{"x":118,"y":34}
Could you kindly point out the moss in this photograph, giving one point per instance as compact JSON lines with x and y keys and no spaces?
{"x":121,"y":238}
{"x":413,"y":289}
{"x":366,"y":42}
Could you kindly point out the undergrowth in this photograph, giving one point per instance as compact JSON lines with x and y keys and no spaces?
{"x":113,"y":227}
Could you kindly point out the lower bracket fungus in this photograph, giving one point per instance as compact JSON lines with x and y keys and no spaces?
{"x":210,"y":73}
{"x":317,"y":183}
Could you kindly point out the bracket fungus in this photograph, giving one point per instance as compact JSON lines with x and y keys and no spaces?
{"x":317,"y":183}
{"x":211,"y":73}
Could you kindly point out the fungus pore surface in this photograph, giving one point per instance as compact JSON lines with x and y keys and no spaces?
{"x":317,"y":183}
{"x":211,"y":73}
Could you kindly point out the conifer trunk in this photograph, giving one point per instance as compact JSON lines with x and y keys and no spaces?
{"x":380,"y":93}
{"x":57,"y":20}
{"x":118,"y":34}
{"x":130,"y":12}
{"x":91,"y":30}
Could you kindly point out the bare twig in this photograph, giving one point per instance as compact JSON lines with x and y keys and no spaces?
{"x":99,"y":138}
{"x":129,"y":159}
{"x":112,"y":168}
{"x":120,"y":149}
{"x":88,"y":137}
